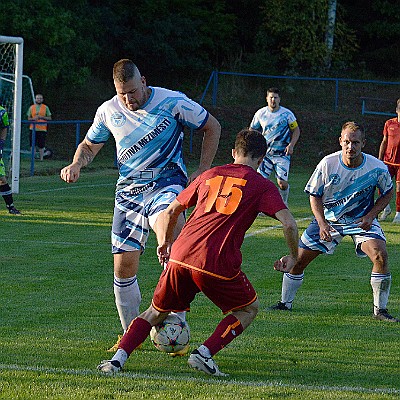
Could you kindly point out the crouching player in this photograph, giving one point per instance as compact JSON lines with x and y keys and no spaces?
{"x":341,"y":193}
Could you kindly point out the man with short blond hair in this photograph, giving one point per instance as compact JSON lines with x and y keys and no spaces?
{"x":342,"y":190}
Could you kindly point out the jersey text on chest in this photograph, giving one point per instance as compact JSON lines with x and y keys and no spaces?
{"x":145,"y":139}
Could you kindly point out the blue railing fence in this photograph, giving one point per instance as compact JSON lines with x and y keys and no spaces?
{"x":339,"y":84}
{"x":77,"y":123}
{"x":366,"y":94}
{"x":366,"y":103}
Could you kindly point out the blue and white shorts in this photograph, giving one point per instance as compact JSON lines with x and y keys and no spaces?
{"x":135,"y":214}
{"x":310,"y":238}
{"x":279,"y":164}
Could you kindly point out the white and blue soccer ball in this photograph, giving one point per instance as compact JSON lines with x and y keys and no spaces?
{"x":172,"y":335}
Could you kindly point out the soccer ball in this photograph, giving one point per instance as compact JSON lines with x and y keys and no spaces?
{"x":172,"y":335}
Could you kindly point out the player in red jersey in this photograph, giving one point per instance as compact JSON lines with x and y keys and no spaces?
{"x":389,"y":153}
{"x":206,"y":255}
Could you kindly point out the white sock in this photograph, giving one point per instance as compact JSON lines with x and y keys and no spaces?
{"x":127,"y":299}
{"x":380,"y":284}
{"x":285,"y":194}
{"x":180,"y":314}
{"x":290,"y":285}
{"x":121,"y":355}
{"x":204,"y":351}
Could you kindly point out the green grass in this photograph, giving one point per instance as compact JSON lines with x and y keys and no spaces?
{"x":58,"y":314}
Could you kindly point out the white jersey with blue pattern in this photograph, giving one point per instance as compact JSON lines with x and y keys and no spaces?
{"x":149,"y":140}
{"x":275,"y":128}
{"x":348,"y":193}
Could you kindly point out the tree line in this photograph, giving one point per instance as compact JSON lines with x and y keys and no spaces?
{"x":65,"y":42}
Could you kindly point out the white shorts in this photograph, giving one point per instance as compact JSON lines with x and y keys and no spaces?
{"x":134,"y":215}
{"x":279,"y":164}
{"x":310,"y":238}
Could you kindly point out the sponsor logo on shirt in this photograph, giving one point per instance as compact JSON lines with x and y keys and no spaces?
{"x":334,"y":179}
{"x":144,"y":140}
{"x":118,"y":119}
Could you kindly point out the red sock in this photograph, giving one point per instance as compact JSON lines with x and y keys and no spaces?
{"x":227,"y":330}
{"x":397,"y":201}
{"x":136,"y":334}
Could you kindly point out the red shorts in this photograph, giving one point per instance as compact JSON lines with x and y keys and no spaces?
{"x":178,"y":286}
{"x":394,"y":171}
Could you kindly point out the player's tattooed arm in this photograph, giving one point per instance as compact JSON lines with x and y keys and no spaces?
{"x":84,"y":155}
{"x":86,"y":152}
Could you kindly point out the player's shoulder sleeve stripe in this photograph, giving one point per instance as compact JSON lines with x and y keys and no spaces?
{"x":205,"y":120}
{"x":312,"y":193}
{"x":95,"y":141}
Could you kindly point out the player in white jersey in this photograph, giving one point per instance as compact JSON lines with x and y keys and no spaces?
{"x":279,"y":127}
{"x":147,"y":125}
{"x":341,"y":191}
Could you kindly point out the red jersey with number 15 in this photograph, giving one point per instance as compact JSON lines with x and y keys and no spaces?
{"x":392,"y":131}
{"x":228,"y":198}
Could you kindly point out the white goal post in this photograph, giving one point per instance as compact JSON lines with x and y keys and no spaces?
{"x":11,"y":61}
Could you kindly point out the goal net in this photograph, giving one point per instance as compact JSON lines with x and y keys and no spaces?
{"x":11,"y":97}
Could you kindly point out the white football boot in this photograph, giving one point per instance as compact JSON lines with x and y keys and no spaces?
{"x":205,"y":364}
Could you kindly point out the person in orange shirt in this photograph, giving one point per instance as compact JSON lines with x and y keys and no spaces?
{"x":39,"y":112}
{"x":389,"y":153}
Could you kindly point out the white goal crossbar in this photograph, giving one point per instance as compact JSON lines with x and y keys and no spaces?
{"x":16,"y":117}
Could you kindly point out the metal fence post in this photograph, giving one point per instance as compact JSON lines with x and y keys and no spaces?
{"x":33,"y":149}
{"x":215,"y":89}
{"x":77,"y":134}
{"x":336,"y":94}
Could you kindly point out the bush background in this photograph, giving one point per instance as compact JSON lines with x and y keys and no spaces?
{"x":70,"y":48}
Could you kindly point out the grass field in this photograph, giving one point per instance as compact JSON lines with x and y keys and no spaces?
{"x":58,"y":314}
